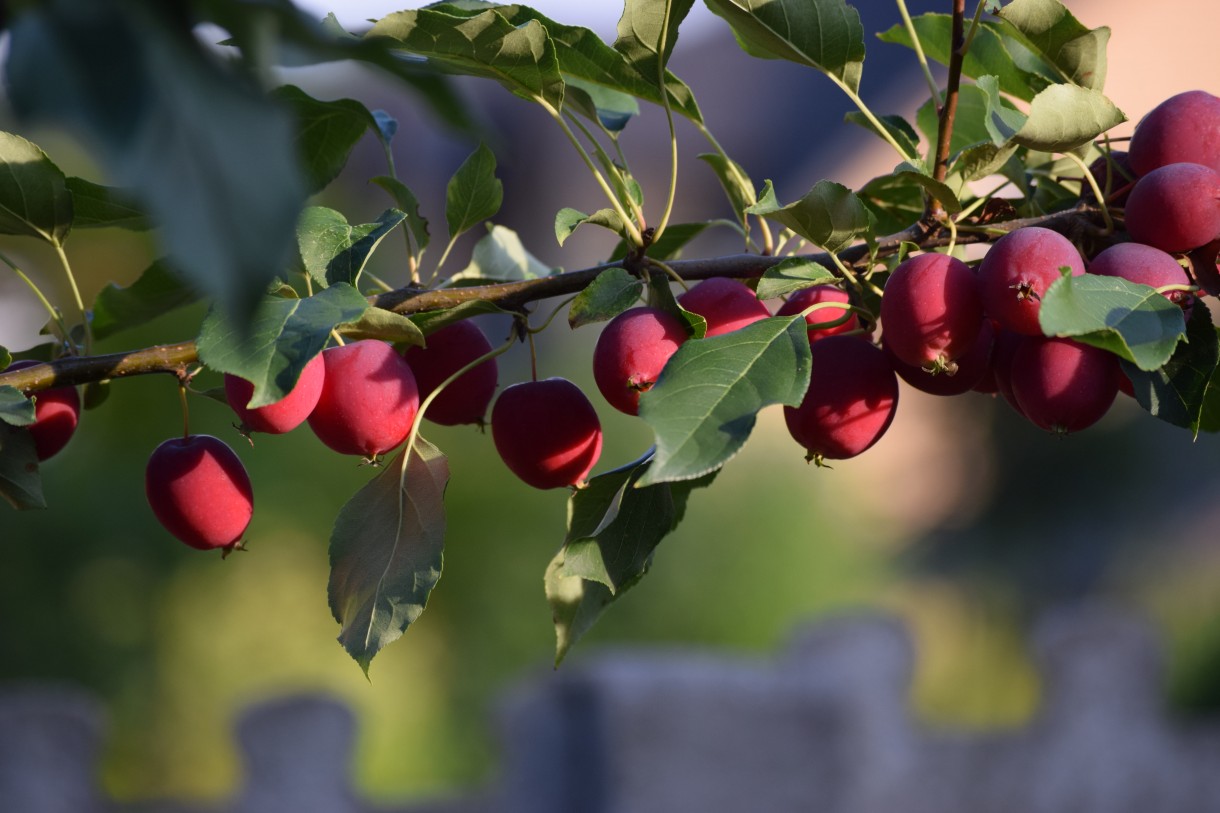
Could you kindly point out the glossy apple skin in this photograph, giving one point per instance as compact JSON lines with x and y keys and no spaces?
{"x":852,"y":396}
{"x":56,"y":415}
{"x":1184,"y":128}
{"x":931,"y":312}
{"x":815,"y":295}
{"x":631,"y":352}
{"x":1063,"y":386}
{"x":285,"y":414}
{"x":369,"y":399}
{"x":450,"y":349}
{"x":546,"y":432}
{"x":972,"y":370}
{"x":1016,"y":272}
{"x":725,"y":303}
{"x":199,"y":491}
{"x":1175,"y":207}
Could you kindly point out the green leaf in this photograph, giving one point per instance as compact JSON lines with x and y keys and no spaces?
{"x":1046,"y":26}
{"x":378,"y":323}
{"x":326,"y":133}
{"x":791,"y":275}
{"x":432,"y":321}
{"x":104,"y":207}
{"x":829,"y":215}
{"x":334,"y":251}
{"x":988,"y":54}
{"x":906,"y":171}
{"x":1179,"y":391}
{"x":705,"y":402}
{"x":1064,"y":117}
{"x":612,"y":292}
{"x":981,"y":160}
{"x":157,"y":291}
{"x":500,"y":257}
{"x":1001,"y":121}
{"x":969,"y":123}
{"x":893,"y":203}
{"x":474,"y":192}
{"x":417,"y":224}
{"x":822,"y":34}
{"x":386,"y":551}
{"x":6,"y":358}
{"x":612,"y":109}
{"x":673,"y":240}
{"x":735,"y":182}
{"x":284,"y":335}
{"x":20,"y":482}
{"x":613,"y":532}
{"x":648,"y":32}
{"x":521,"y":58}
{"x":15,"y":408}
{"x":567,"y":220}
{"x":202,"y":150}
{"x":34,"y":197}
{"x":661,"y":296}
{"x":898,"y":128}
{"x":1131,"y":320}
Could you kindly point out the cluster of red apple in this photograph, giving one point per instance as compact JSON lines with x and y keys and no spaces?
{"x":946,"y":329}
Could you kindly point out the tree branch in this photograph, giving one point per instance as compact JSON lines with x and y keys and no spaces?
{"x":174,"y":358}
{"x":944,"y":132}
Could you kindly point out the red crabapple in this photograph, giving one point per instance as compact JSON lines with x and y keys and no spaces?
{"x":546,"y":432}
{"x":1146,"y":265}
{"x":725,"y":303}
{"x":1016,"y":272}
{"x":369,"y":399}
{"x":450,"y":349}
{"x":931,"y":313}
{"x":972,"y":367}
{"x":850,"y":403}
{"x":199,"y":491}
{"x":1175,"y":207}
{"x":1006,"y":346}
{"x":1183,"y":128}
{"x":815,"y":295}
{"x":1063,"y":386}
{"x":631,"y":352}
{"x":56,"y":414}
{"x":285,"y":414}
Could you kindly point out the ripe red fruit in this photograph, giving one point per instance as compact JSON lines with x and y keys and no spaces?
{"x":1016,"y":272}
{"x":931,"y":313}
{"x":1183,"y":128}
{"x":450,"y":349}
{"x":972,"y":367}
{"x":1175,"y":207}
{"x":1063,"y":386}
{"x":815,"y":295}
{"x":1006,"y":345}
{"x":725,"y":303}
{"x":56,"y":414}
{"x":631,"y":352}
{"x":850,"y":403}
{"x":285,"y":414}
{"x":369,"y":399}
{"x":546,"y":432}
{"x":1146,"y":265}
{"x":199,"y":491}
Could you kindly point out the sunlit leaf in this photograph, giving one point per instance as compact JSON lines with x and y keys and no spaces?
{"x":34,"y":197}
{"x":792,"y":275}
{"x":500,"y":257}
{"x":334,"y":251}
{"x":1049,"y":29}
{"x":614,"y":291}
{"x":567,"y":220}
{"x":829,"y":215}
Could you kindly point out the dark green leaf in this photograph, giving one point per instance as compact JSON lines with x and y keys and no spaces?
{"x":522,"y":58}
{"x":647,"y":33}
{"x":1128,"y":319}
{"x":201,"y":149}
{"x":417,"y":224}
{"x":157,"y":291}
{"x":613,"y":292}
{"x":735,"y":182}
{"x":6,"y":358}
{"x":500,"y":257}
{"x":432,"y":321}
{"x":969,"y":123}
{"x":898,"y":128}
{"x":15,"y":408}
{"x":910,"y":173}
{"x":829,"y":215}
{"x":284,"y":335}
{"x":95,"y":394}
{"x":386,"y":551}
{"x":1179,"y":391}
{"x":893,"y":203}
{"x":104,"y":207}
{"x":34,"y":197}
{"x":20,"y":482}
{"x":567,"y":220}
{"x":334,"y":251}
{"x":672,"y":241}
{"x":378,"y":323}
{"x":791,"y":275}
{"x":326,"y":133}
{"x":987,"y":55}
{"x":661,"y":296}
{"x":706,"y":400}
{"x":474,"y":192}
{"x":981,"y":160}
{"x":1046,"y":26}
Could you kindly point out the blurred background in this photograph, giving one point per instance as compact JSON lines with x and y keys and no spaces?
{"x":964,"y":520}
